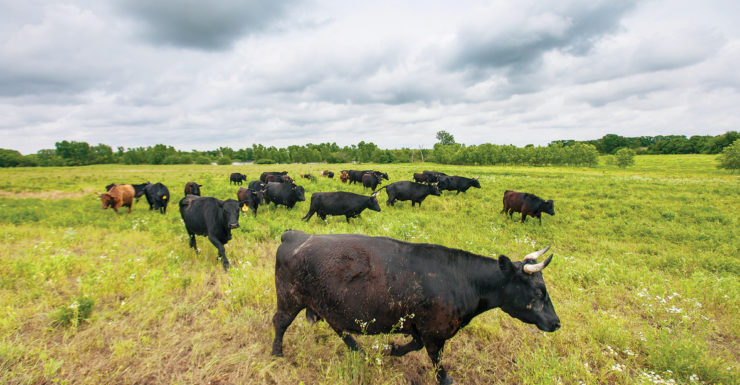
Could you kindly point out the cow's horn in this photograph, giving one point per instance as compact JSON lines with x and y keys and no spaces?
{"x":477,"y":177}
{"x":533,"y":268}
{"x":375,"y":194}
{"x":536,"y":254}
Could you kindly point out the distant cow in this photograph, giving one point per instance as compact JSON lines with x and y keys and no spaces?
{"x":210,"y":217}
{"x":284,"y":194}
{"x":409,"y":191}
{"x":374,"y":285}
{"x":327,"y":174}
{"x":249,"y":198}
{"x":355,"y":176}
{"x":278,"y":178}
{"x":344,"y":176}
{"x":371,"y":180}
{"x":157,"y":195}
{"x":117,"y":196}
{"x":237,"y":178}
{"x":428,"y":177}
{"x":192,"y":188}
{"x":340,"y":203}
{"x":527,"y":204}
{"x":457,"y":183}
{"x":264,"y":175}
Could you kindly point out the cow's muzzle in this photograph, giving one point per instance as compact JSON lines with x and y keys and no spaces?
{"x":233,"y":225}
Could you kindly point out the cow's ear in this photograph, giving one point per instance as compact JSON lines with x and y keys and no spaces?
{"x":504,"y":263}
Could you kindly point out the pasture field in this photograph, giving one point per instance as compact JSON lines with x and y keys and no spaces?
{"x":645,"y":279}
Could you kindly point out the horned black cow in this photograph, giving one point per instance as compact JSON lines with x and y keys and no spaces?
{"x":374,"y":285}
{"x":457,"y":183}
{"x":192,"y":188}
{"x":284,"y":194}
{"x":237,"y":178}
{"x":409,"y":191}
{"x":527,"y":204}
{"x":340,"y":203}
{"x":371,"y":180}
{"x":249,"y":198}
{"x":210,"y":217}
{"x":157,"y":195}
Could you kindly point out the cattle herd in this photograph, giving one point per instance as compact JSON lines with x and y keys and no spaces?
{"x":369,"y":285}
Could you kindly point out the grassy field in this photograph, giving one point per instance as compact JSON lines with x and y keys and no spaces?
{"x":645,"y":280}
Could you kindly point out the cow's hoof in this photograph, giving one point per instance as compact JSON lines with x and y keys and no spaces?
{"x":446,"y":381}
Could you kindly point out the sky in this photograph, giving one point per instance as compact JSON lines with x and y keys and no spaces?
{"x":203,"y":74}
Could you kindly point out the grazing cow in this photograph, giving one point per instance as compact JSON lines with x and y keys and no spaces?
{"x":374,"y":285}
{"x":212,"y":218}
{"x":284,"y":194}
{"x":327,"y":174}
{"x":409,"y":191}
{"x":249,"y":198}
{"x":278,"y":178}
{"x":118,"y":195}
{"x":355,"y":176}
{"x":264,"y":175}
{"x":371,"y":180}
{"x":237,"y":178}
{"x":256,"y":185}
{"x":344,"y":176}
{"x":192,"y":188}
{"x":341,"y":203}
{"x":527,"y":204}
{"x":157,"y":195}
{"x":305,"y":176}
{"x":457,"y":183}
{"x":137,"y":188}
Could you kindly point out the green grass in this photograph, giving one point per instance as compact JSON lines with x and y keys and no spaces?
{"x":644,"y":279}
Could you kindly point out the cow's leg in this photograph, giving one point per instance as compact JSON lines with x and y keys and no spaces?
{"x":192,"y":242}
{"x":350,"y":341}
{"x":401,"y":350}
{"x":348,"y":217}
{"x":539,"y":216}
{"x":434,"y":349}
{"x":221,"y":251}
{"x":524,"y":216}
{"x":283,"y":317}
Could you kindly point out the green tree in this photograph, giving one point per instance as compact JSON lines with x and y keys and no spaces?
{"x":625,"y":157}
{"x":445,"y":138}
{"x":10,"y":158}
{"x":730,"y":157}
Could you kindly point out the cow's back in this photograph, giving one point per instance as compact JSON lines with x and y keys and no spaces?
{"x":123,"y":194}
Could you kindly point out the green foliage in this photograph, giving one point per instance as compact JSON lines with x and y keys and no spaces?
{"x":730,"y":157}
{"x":445,"y":138}
{"x":10,"y":158}
{"x":625,"y":157}
{"x":74,"y":314}
{"x":223,"y":161}
{"x":264,"y":161}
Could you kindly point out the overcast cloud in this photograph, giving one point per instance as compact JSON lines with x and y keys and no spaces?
{"x":199,"y":75}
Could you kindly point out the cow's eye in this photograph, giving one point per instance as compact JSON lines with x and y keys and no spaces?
{"x":541,"y":294}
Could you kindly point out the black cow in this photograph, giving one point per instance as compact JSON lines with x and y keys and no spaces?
{"x":264,"y":175}
{"x":284,"y":194}
{"x":237,"y":178}
{"x":340,"y":203}
{"x":249,"y":198}
{"x":527,"y":204}
{"x":210,"y":217}
{"x":457,"y":183}
{"x":371,"y":180}
{"x":409,"y":191}
{"x":192,"y":188}
{"x":356,"y":175}
{"x":374,"y":285}
{"x":327,"y":174}
{"x":157,"y":195}
{"x":256,"y":185}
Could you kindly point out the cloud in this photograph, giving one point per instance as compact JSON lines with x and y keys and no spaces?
{"x":204,"y":25}
{"x":515,"y":36}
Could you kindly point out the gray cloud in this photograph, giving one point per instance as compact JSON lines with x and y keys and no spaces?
{"x":206,"y":25}
{"x":517,"y":40}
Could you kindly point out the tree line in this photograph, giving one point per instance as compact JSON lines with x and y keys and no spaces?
{"x":445,"y":151}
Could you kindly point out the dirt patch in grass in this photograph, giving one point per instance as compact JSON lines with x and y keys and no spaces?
{"x":49,"y":195}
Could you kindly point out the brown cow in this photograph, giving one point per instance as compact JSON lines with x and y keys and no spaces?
{"x":345,"y":176}
{"x":527,"y":204}
{"x":117,"y":196}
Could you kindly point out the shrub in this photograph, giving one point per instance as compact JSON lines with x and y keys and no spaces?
{"x":264,"y":161}
{"x":730,"y":157}
{"x":75,"y":313}
{"x":625,"y":157}
{"x":223,"y":161}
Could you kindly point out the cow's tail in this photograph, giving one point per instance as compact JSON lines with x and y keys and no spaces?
{"x":376,"y":192}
